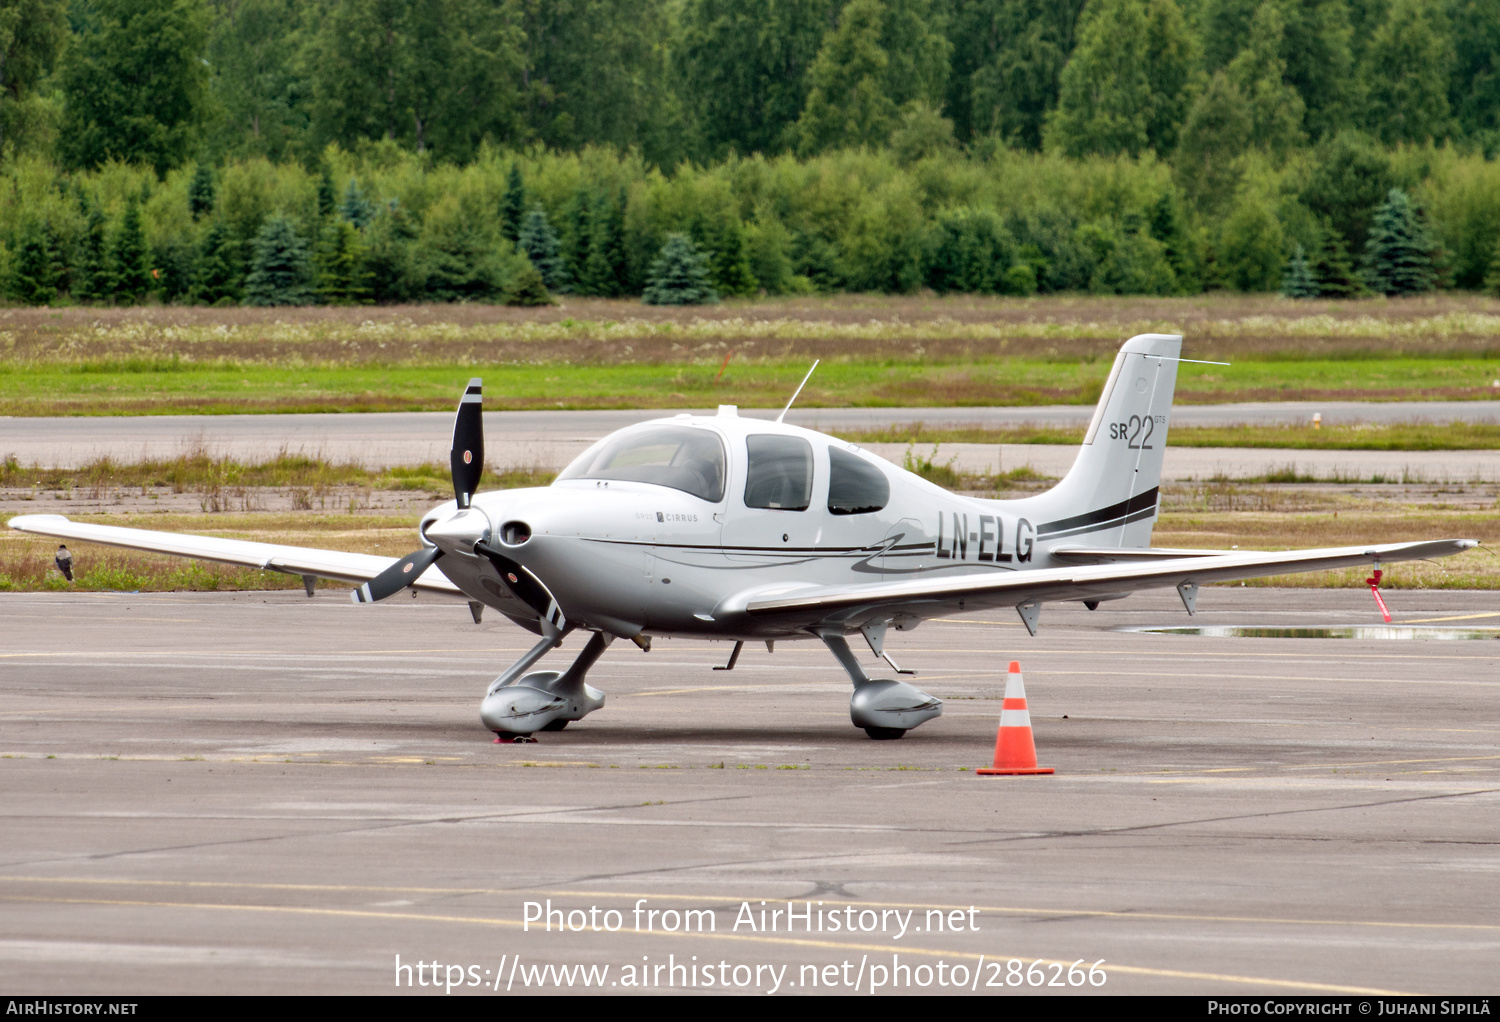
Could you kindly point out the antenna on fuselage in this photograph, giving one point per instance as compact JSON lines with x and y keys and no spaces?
{"x":798,"y":390}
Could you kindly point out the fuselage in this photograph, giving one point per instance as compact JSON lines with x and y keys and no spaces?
{"x":682,"y":553}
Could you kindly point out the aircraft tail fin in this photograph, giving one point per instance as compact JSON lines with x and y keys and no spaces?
{"x":1110,"y":495}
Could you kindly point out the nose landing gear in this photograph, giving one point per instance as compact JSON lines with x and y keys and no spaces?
{"x":518,"y":704}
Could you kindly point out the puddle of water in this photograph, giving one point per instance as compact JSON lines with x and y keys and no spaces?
{"x":1329,"y":632}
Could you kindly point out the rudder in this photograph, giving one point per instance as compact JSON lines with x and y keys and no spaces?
{"x":1109,"y":496}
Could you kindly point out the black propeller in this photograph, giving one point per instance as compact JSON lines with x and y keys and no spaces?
{"x":467,"y":461}
{"x":398,"y":576}
{"x":467,"y":456}
{"x":529,"y":589}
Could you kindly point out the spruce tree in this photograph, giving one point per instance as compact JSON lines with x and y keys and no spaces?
{"x":730,"y":264}
{"x":37,"y":267}
{"x":679,"y":276}
{"x":1169,"y":226}
{"x":513,"y":205}
{"x":355,"y":208}
{"x":1492,"y":278}
{"x":1332,"y":270}
{"x":201,"y":192}
{"x":607,"y":268}
{"x":218,"y":278}
{"x":390,"y":239}
{"x":1399,"y":254}
{"x":130,"y":274}
{"x":326,"y":195}
{"x":279,"y":271}
{"x":579,"y":239}
{"x":527,"y":288}
{"x":343,"y":278}
{"x":174,"y":267}
{"x":462,"y":263}
{"x":539,"y":243}
{"x":1297,"y":281}
{"x":91,"y":281}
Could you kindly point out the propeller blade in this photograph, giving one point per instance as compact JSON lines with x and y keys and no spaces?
{"x":529,"y":589}
{"x":467,"y":456}
{"x":398,"y":576}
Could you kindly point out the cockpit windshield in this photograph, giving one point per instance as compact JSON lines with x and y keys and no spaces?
{"x":683,"y":457}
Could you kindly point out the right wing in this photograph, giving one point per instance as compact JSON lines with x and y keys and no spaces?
{"x":293,"y":560}
{"x":814,"y":607}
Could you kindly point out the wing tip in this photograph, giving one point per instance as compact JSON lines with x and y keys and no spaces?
{"x":22,"y":522}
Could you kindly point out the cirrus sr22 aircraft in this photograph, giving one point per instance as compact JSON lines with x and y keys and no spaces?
{"x":741,"y":529}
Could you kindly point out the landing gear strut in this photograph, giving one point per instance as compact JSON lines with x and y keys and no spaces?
{"x":519,"y":704}
{"x":885,"y":708}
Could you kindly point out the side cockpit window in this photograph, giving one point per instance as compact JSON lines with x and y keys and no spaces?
{"x":682,"y":457}
{"x":855,"y":487}
{"x":778,"y":473}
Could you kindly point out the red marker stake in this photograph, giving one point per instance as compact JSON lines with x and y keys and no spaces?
{"x":1374,"y":583}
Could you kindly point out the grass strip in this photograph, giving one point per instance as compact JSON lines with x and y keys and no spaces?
{"x":1455,"y":436}
{"x":43,"y":388}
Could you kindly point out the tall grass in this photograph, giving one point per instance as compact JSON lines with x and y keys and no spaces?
{"x":199,"y":472}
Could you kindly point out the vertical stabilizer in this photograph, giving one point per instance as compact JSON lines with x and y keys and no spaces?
{"x":1109,"y":497}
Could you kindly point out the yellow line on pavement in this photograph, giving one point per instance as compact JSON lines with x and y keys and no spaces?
{"x":661,"y":896}
{"x":1134,"y":970}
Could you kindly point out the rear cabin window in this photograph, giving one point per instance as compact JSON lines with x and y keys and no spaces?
{"x":682,"y":457}
{"x":855,"y":487}
{"x":779,"y":473}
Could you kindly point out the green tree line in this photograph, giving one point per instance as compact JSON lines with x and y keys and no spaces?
{"x":388,"y":150}
{"x":390,"y":225}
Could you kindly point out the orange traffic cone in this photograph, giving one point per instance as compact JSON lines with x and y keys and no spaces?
{"x":1015,"y":751}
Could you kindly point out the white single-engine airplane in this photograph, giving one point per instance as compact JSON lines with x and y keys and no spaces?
{"x":721,"y":527}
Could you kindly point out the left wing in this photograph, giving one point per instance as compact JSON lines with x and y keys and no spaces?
{"x":812,"y":606}
{"x":293,"y":560}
